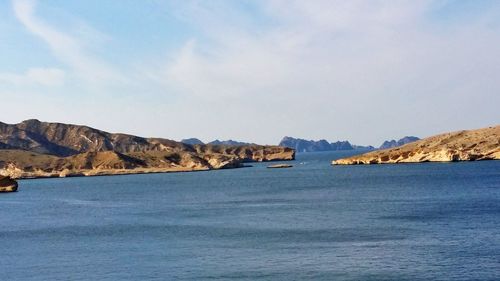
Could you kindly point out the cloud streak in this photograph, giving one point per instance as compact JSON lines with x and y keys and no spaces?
{"x":51,"y":77}
{"x":259,"y":70}
{"x":384,"y":65}
{"x":65,"y":47}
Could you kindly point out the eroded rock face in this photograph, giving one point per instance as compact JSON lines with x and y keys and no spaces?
{"x":249,"y":153}
{"x":7,"y":184}
{"x":470,"y":145}
{"x":33,"y":149}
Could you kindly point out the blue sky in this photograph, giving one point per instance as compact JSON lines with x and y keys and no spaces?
{"x":256,"y":70}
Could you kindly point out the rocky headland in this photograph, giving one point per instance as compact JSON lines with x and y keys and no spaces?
{"x":467,"y":145}
{"x":33,"y":149}
{"x":7,"y":184}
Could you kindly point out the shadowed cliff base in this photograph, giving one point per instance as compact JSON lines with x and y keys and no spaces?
{"x":7,"y":184}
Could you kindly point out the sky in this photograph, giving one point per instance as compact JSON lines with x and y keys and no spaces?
{"x":256,"y":71}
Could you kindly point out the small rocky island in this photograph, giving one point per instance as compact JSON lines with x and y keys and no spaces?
{"x":467,"y":145}
{"x":33,"y":149}
{"x":7,"y":184}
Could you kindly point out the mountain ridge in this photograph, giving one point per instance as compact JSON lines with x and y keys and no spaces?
{"x":303,"y":145}
{"x":42,"y":149}
{"x":395,"y":143}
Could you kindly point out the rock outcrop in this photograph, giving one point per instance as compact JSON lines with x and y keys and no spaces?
{"x":40,"y":149}
{"x":7,"y":184}
{"x":469,"y":145}
{"x":249,"y":153}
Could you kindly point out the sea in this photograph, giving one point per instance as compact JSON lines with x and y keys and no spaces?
{"x":314,"y":221}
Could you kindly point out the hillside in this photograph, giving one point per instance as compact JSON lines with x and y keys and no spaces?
{"x":41,"y":149}
{"x":467,"y":145}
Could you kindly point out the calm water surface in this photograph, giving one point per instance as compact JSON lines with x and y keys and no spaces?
{"x":311,"y":222}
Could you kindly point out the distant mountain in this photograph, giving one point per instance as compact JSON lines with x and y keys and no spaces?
{"x":341,"y":145}
{"x":400,"y":142}
{"x":195,"y":141}
{"x":302,"y":145}
{"x":192,"y":141}
{"x":364,"y":147}
{"x":228,"y":142}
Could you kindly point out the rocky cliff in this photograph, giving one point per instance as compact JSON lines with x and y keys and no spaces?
{"x":40,"y":149}
{"x":7,"y":184}
{"x":249,"y":153}
{"x":469,"y":145}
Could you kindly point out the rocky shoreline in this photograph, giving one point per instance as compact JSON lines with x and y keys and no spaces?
{"x":467,"y":145}
{"x":7,"y":184}
{"x":34,"y":149}
{"x":27,"y":165}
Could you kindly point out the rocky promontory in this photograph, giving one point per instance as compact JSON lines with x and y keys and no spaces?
{"x":7,"y":184}
{"x":34,"y":149}
{"x":467,"y":145}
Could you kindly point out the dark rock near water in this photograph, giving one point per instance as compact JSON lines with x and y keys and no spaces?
{"x":7,"y":184}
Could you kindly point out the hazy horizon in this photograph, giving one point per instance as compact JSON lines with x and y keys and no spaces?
{"x":253,"y":71}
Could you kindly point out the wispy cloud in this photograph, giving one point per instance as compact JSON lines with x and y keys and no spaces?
{"x":65,"y":47}
{"x":318,"y":62}
{"x":42,"y":76}
{"x":258,"y":70}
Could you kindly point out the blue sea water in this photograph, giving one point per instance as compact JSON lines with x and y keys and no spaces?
{"x":432,"y":221}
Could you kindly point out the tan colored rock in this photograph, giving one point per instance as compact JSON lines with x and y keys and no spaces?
{"x":25,"y":164}
{"x":33,"y":149}
{"x":467,"y":145}
{"x":249,"y":153}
